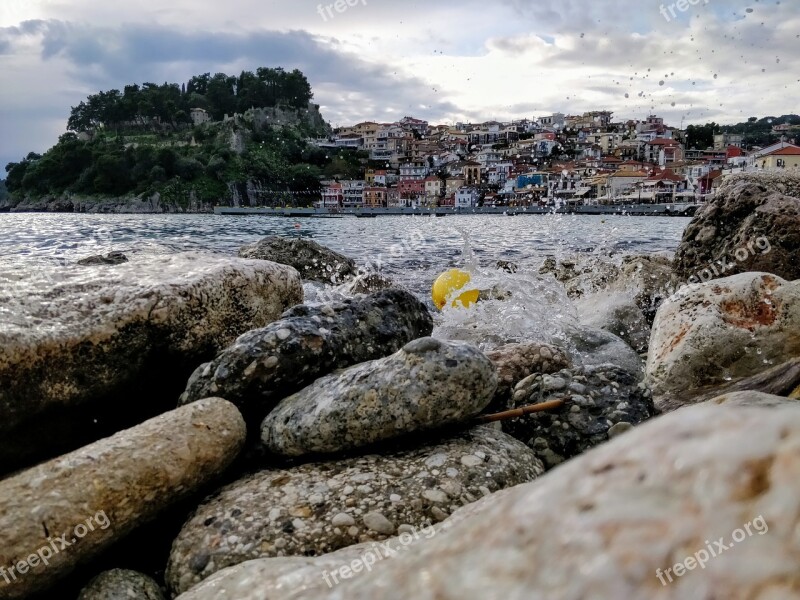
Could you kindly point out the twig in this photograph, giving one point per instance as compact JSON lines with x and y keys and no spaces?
{"x":521,"y":412}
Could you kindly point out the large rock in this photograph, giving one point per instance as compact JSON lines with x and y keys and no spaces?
{"x":593,"y":347}
{"x":754,"y":399}
{"x":269,"y":364}
{"x":314,"y":262}
{"x":752,"y":224}
{"x":65,"y":512}
{"x":611,"y":523}
{"x":313,"y":509}
{"x":427,"y":385}
{"x":515,"y":362}
{"x":88,"y":350}
{"x":121,"y":584}
{"x":619,"y":315}
{"x":599,"y":403}
{"x":724,"y":330}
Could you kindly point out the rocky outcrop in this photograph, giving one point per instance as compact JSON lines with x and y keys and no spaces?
{"x":732,"y":328}
{"x":64,"y":512}
{"x":427,"y":385}
{"x":269,"y":364}
{"x":121,"y":584}
{"x":515,"y":362}
{"x":312,"y":261}
{"x":85,"y":351}
{"x":598,"y":404}
{"x":752,"y":224}
{"x":112,"y":258}
{"x":627,"y":520}
{"x":313,"y":509}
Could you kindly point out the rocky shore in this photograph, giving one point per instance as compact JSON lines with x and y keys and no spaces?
{"x":358,"y":446}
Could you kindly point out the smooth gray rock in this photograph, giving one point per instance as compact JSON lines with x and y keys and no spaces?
{"x":599,"y":403}
{"x":291,"y":512}
{"x":269,"y":364}
{"x":122,"y":584}
{"x":593,"y":347}
{"x":427,"y":385}
{"x":312,"y":261}
{"x":81,"y":346}
{"x":95,"y":496}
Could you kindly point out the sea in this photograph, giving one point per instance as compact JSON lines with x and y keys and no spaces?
{"x":410,"y":249}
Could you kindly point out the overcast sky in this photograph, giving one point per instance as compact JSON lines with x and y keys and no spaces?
{"x":442,"y":60}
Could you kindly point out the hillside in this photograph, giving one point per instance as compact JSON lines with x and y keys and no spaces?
{"x":215,"y":140}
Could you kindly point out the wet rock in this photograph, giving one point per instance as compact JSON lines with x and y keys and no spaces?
{"x":291,"y":512}
{"x":121,"y":584}
{"x":269,"y":364}
{"x":426,"y":385}
{"x":507,"y":266}
{"x":515,"y":362}
{"x":366,"y":283}
{"x":754,"y":399}
{"x":85,"y":501}
{"x":112,"y":258}
{"x":592,"y":347}
{"x":617,"y":315}
{"x":312,"y":261}
{"x":599,"y":403}
{"x":87,"y":351}
{"x":752,"y":224}
{"x":609,"y":524}
{"x":732,"y":328}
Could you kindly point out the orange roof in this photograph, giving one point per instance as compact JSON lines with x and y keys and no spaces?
{"x":787,"y":151}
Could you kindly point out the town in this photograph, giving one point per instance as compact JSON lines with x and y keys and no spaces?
{"x":557,"y":161}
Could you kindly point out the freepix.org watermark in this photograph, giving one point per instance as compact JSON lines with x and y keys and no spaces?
{"x":712,"y":550}
{"x":55,"y":545}
{"x":726,"y":263}
{"x":670,"y":11}
{"x":340,"y":6}
{"x":376,"y":553}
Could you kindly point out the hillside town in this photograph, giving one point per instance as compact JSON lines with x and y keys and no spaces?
{"x":556,"y":160}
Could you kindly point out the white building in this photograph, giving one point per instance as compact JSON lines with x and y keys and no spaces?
{"x":467,"y":197}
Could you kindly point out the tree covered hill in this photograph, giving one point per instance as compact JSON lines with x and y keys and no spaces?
{"x":756,"y":132}
{"x":143,"y":141}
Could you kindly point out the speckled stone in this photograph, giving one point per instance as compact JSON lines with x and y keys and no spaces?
{"x":604,"y":525}
{"x":515,"y":362}
{"x":312,"y":261}
{"x":121,"y":584}
{"x":599,"y":403}
{"x":269,"y":514}
{"x":751,"y":398}
{"x":426,"y":385}
{"x":266,"y":365}
{"x":123,"y":334}
{"x":110,"y":488}
{"x":727,"y":329}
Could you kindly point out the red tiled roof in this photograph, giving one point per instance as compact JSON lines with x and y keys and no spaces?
{"x":787,"y":151}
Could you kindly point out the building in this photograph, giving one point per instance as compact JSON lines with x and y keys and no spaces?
{"x":332,"y":196}
{"x":467,"y":197}
{"x":199,"y":116}
{"x":663,"y":152}
{"x":375,"y":197}
{"x":433,"y":187}
{"x":453,"y":184}
{"x":353,"y":193}
{"x":723,"y":140}
{"x":787,"y":157}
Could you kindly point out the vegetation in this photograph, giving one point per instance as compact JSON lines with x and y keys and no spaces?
{"x":142,"y":141}
{"x":756,"y":132}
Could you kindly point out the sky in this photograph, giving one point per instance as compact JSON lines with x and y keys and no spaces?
{"x":446,"y":61}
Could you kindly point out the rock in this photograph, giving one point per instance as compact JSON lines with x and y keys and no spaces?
{"x":507,"y":266}
{"x":312,"y":261}
{"x":609,"y":524}
{"x":618,"y":315}
{"x":87,"y":351}
{"x":649,"y":278}
{"x":269,"y":514}
{"x":754,"y":399}
{"x":87,"y":500}
{"x":592,"y":347}
{"x":750,"y":225}
{"x":515,"y":362}
{"x":121,"y":584}
{"x":112,"y":258}
{"x":266,"y":365}
{"x":725,"y":330}
{"x":426,"y":385}
{"x":366,"y":283}
{"x":599,"y":403}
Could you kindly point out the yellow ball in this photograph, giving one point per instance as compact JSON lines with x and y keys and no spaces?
{"x":449,"y":282}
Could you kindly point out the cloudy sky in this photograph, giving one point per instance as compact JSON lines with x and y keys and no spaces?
{"x":443,"y":60}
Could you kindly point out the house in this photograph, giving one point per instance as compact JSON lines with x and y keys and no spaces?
{"x":353,"y":193}
{"x":453,"y":184}
{"x":433,"y":187}
{"x":471,"y":170}
{"x":623,"y":182}
{"x":199,"y":116}
{"x":375,"y":197}
{"x":467,"y":197}
{"x":663,"y":151}
{"x":787,"y":157}
{"x":332,"y":196}
{"x":411,"y":188}
{"x":723,"y":140}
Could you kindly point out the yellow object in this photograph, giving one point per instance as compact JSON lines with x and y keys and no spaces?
{"x":452,"y":281}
